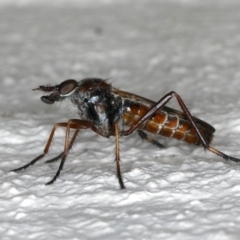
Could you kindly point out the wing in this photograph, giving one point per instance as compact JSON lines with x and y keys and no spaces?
{"x":150,"y":103}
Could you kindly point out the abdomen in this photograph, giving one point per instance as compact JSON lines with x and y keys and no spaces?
{"x":168,"y":123}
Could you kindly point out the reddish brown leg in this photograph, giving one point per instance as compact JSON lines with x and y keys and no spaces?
{"x":61,"y":154}
{"x":162,"y":102}
{"x":76,"y":124}
{"x":45,"y":151}
{"x":71,"y":124}
{"x":117,"y":156}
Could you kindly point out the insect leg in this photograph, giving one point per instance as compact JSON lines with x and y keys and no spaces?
{"x":45,"y":151}
{"x":75,"y":124}
{"x":61,"y":154}
{"x":162,"y":102}
{"x":146,"y":137}
{"x":117,"y":156}
{"x":58,"y":157}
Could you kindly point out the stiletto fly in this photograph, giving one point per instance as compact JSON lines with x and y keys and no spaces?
{"x":108,"y":111}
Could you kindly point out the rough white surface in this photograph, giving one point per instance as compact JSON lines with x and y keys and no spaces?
{"x":146,"y":47}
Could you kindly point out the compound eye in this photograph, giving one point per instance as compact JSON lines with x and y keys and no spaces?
{"x":67,"y":87}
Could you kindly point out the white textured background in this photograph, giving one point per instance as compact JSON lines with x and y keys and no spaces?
{"x":147,"y":47}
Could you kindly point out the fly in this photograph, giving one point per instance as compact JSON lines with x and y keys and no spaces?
{"x":108,"y":111}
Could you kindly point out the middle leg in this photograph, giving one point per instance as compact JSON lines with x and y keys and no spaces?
{"x":117,"y":156}
{"x":146,"y":137}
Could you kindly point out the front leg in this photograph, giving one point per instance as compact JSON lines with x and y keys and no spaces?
{"x":58,"y":157}
{"x":71,"y":124}
{"x":46,"y":149}
{"x":75,"y":124}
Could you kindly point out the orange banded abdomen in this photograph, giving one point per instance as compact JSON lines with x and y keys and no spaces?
{"x":165,"y":124}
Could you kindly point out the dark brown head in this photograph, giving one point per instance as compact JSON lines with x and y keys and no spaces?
{"x":58,"y":92}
